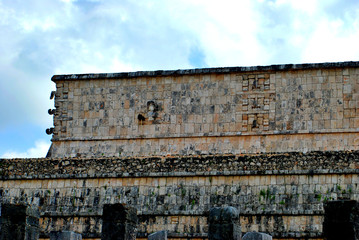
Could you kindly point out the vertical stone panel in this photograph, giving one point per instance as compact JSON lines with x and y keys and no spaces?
{"x":19,"y":222}
{"x":224,"y":224}
{"x":341,"y":220}
{"x":118,"y":222}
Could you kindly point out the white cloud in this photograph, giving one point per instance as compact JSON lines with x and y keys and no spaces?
{"x":331,"y":41}
{"x":40,"y":150}
{"x":226,"y":32}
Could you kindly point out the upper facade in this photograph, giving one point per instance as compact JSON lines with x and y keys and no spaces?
{"x":234,"y":110}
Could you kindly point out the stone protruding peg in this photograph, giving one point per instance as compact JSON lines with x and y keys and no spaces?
{"x":50,"y":131}
{"x":161,"y":235}
{"x":224,"y":224}
{"x":256,"y":236}
{"x":51,"y":111}
{"x":52,"y":94}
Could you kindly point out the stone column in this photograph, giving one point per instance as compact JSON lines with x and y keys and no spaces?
{"x":0,"y":220}
{"x":118,"y":222}
{"x":224,"y":224}
{"x":341,"y":220}
{"x":161,"y":235}
{"x":19,"y":222}
{"x":65,"y":235}
{"x":256,"y":236}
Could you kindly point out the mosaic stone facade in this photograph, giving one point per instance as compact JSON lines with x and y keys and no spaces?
{"x":208,"y":111}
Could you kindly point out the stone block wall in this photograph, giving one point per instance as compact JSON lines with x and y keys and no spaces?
{"x":280,"y":194}
{"x":280,"y":108}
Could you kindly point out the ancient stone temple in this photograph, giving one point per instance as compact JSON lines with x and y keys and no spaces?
{"x":278,"y":143}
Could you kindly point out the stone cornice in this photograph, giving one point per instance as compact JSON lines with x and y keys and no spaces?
{"x":295,"y":163}
{"x":164,"y":73}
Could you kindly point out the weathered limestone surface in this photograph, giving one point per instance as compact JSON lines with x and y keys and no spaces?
{"x":283,"y":108}
{"x":160,"y":235}
{"x":256,"y":236}
{"x":65,"y":235}
{"x":285,"y":203}
{"x":280,"y":163}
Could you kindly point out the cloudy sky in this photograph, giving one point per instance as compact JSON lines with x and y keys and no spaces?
{"x":40,"y":38}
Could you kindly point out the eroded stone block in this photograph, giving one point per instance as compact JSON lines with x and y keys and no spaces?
{"x":161,"y":235}
{"x":224,"y":224}
{"x":65,"y":235}
{"x":256,"y":236}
